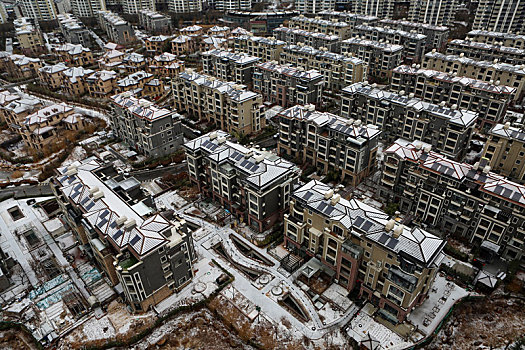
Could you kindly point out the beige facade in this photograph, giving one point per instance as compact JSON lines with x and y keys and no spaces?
{"x":29,"y":36}
{"x":267,"y":49}
{"x":333,"y":27}
{"x":155,"y":44}
{"x":51,"y":76}
{"x":505,"y":150}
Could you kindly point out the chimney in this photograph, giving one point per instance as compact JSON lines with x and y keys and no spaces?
{"x":335,"y":199}
{"x":398,"y":230}
{"x":98,"y":195}
{"x":506,"y":126}
{"x":328,"y":194}
{"x":390,"y":225}
{"x":121,"y":220}
{"x":130,"y":224}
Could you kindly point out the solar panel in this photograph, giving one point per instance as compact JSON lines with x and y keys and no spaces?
{"x":113,"y":224}
{"x":74,"y":195}
{"x":367,"y":225}
{"x":507,"y":192}
{"x":516,"y":196}
{"x":117,"y":235}
{"x":134,"y":240}
{"x":329,"y":210}
{"x":383,"y":238}
{"x":392,"y":243}
{"x":84,"y":201}
{"x":90,"y":205}
{"x":308,"y":195}
{"x":102,"y":223}
{"x":358,"y":221}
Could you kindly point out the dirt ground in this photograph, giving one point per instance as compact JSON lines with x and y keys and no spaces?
{"x":489,"y":323}
{"x":15,"y":340}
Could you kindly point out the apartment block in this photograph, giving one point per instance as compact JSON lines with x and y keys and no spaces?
{"x":51,"y":76}
{"x":150,"y":254}
{"x":20,"y":66}
{"x":75,"y":80}
{"x":73,"y":30}
{"x":487,"y":52}
{"x":40,"y":10}
{"x":352,"y":19}
{"x":500,"y":16}
{"x":87,"y":8}
{"x":228,"y":105}
{"x":166,"y":65}
{"x":489,"y":101}
{"x":448,"y":130}
{"x":101,"y":84}
{"x":380,"y":57}
{"x":254,"y":186}
{"x":330,"y":143}
{"x":316,"y":40}
{"x":232,"y":5}
{"x":154,"y":22}
{"x":497,"y":38}
{"x":183,"y":45}
{"x":259,"y":23}
{"x":287,"y":85}
{"x":456,"y":198}
{"x":29,"y":36}
{"x":184,"y":6}
{"x":391,"y":265}
{"x":504,"y":73}
{"x":74,"y":55}
{"x":44,"y":128}
{"x":135,"y":6}
{"x":267,"y":49}
{"x":314,"y":6}
{"x":413,"y":43}
{"x":338,"y":70}
{"x":437,"y":35}
{"x":437,"y":13}
{"x":116,"y":28}
{"x":229,"y":66}
{"x":317,"y":24}
{"x":505,"y":151}
{"x":152,"y":131}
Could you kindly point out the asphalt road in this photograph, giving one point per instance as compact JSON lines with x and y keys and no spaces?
{"x":144,"y":175}
{"x":26,"y":191}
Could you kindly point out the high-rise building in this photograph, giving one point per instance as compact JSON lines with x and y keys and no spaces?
{"x":117,"y":29}
{"x":232,"y":5}
{"x":434,"y":12}
{"x":3,"y":13}
{"x":135,"y":6}
{"x":507,"y":16}
{"x":314,"y":6}
{"x":41,"y":10}
{"x":87,"y":8}
{"x":437,"y":35}
{"x":184,"y":6}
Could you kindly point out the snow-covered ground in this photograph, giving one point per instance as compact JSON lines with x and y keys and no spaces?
{"x":78,"y":153}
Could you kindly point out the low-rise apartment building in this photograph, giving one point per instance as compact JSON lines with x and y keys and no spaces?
{"x":254,"y":186}
{"x":73,"y":30}
{"x":391,"y":265}
{"x":330,"y":27}
{"x":486,"y":52}
{"x":219,"y":32}
{"x":117,"y":29}
{"x":456,"y":198}
{"x":75,"y":80}
{"x":448,"y":130}
{"x":154,"y":22}
{"x":15,"y":112}
{"x":380,"y":57}
{"x":338,"y":70}
{"x":228,"y":105}
{"x":149,"y":254}
{"x":352,"y":19}
{"x":287,"y":85}
{"x":505,"y":151}
{"x":134,"y":82}
{"x":101,"y":84}
{"x":52,"y":76}
{"x":316,"y":40}
{"x":267,"y":49}
{"x":437,"y":36}
{"x":330,"y":143}
{"x":183,"y":45}
{"x":152,"y":131}
{"x":490,"y":101}
{"x":229,"y":66}
{"x":507,"y":74}
{"x":133,"y":62}
{"x":497,"y":38}
{"x":74,"y":55}
{"x":155,"y":45}
{"x":20,"y":66}
{"x":413,"y":44}
{"x":28,"y":36}
{"x":166,"y":65}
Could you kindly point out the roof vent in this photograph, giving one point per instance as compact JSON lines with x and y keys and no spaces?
{"x":259,"y":158}
{"x":454,"y":106}
{"x":328,"y":194}
{"x":130,"y":224}
{"x":495,"y":60}
{"x":398,"y":230}
{"x":390,"y":225}
{"x":248,"y":153}
{"x":401,"y":93}
{"x":93,"y":190}
{"x":411,"y":95}
{"x":497,"y":82}
{"x":72,"y":170}
{"x":213,"y":135}
{"x":357,"y":122}
{"x":462,"y":54}
{"x":335,"y":199}
{"x":486,"y":169}
{"x":221,"y":140}
{"x":442,"y":103}
{"x":98,"y":195}
{"x":350,"y":122}
{"x":475,"y":166}
{"x":506,"y":126}
{"x":433,"y":50}
{"x":428,"y":149}
{"x":419,"y":145}
{"x":121,"y":220}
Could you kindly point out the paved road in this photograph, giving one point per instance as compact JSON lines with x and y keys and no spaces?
{"x":144,"y":175}
{"x":27,"y":191}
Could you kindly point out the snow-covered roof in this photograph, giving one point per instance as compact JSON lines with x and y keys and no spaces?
{"x":291,"y":71}
{"x":390,"y":32}
{"x":504,"y":67}
{"x":261,"y":40}
{"x":74,"y":73}
{"x":238,"y":58}
{"x":181,"y":39}
{"x":305,"y":33}
{"x":374,"y":44}
{"x":325,"y":55}
{"x":403,"y":23}
{"x":508,"y":132}
{"x":480,"y":47}
{"x":368,"y":222}
{"x":320,"y":22}
{"x":47,"y":113}
{"x":7,"y":97}
{"x":133,"y":79}
{"x":103,"y":75}
{"x":141,"y":108}
{"x":56,"y":68}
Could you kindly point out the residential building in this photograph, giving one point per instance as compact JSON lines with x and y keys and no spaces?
{"x":183,"y":45}
{"x":135,"y":82}
{"x":413,"y":43}
{"x":185,"y":6}
{"x":149,"y":129}
{"x":133,"y":62}
{"x":232,"y":5}
{"x":497,"y":38}
{"x":14,"y":112}
{"x":380,"y":57}
{"x":490,"y":101}
{"x":254,"y":186}
{"x":101,"y":83}
{"x":116,"y":28}
{"x":74,"y":55}
{"x":259,"y":23}
{"x":314,"y":39}
{"x":487,"y":52}
{"x":330,"y":27}
{"x":433,"y":12}
{"x":4,"y":17}
{"x":338,"y":70}
{"x":43,"y":129}
{"x":505,"y":151}
{"x":166,"y":65}
{"x":287,"y":85}
{"x":73,"y":30}
{"x":314,"y":6}
{"x":507,"y":74}
{"x":218,"y":31}
{"x":111,"y":59}
{"x":75,"y":80}
{"x":149,"y":254}
{"x":155,"y":22}
{"x":500,"y":16}
{"x":192,"y":31}
{"x":328,"y":142}
{"x":455,"y":198}
{"x":155,"y":45}
{"x":267,"y":49}
{"x":376,"y":8}
{"x":228,"y":105}
{"x":208,"y":43}
{"x":40,"y":10}
{"x":229,"y":66}
{"x":135,"y":6}
{"x":391,"y":265}
{"x":448,"y":130}
{"x":20,"y":66}
{"x":352,"y":19}
{"x":51,"y":76}
{"x":87,"y":8}
{"x":437,"y":35}
{"x":29,"y":36}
